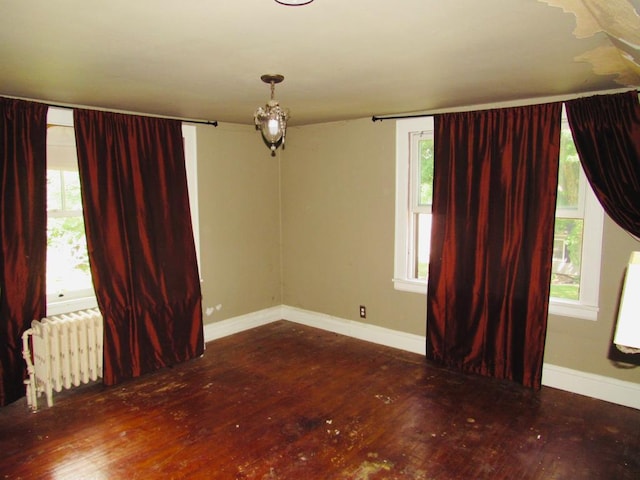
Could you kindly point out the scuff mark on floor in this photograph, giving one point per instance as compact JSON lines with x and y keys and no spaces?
{"x":385,"y":399}
{"x":369,"y":467}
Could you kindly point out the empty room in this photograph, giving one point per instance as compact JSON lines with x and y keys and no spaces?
{"x":320,"y":239}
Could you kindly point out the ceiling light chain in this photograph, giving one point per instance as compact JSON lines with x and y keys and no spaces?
{"x":273,"y":89}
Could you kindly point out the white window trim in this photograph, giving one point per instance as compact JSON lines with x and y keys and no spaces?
{"x":191,"y":165}
{"x":585,"y":308}
{"x":64,"y":116}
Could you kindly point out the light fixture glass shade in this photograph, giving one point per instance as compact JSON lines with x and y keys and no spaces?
{"x":272,"y":123}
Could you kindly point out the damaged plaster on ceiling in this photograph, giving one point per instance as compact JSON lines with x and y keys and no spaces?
{"x":620,"y":22}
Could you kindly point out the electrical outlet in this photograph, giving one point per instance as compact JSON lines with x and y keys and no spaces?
{"x":363,"y":311}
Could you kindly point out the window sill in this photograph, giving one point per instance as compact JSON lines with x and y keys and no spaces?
{"x":413,"y":286}
{"x":67,"y":306}
{"x":556,"y":307}
{"x":567,"y":308}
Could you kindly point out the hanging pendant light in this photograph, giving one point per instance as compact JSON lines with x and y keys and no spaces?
{"x":271,"y":119}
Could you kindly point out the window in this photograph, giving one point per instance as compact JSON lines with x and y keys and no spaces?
{"x":414,"y":194}
{"x":69,"y":285}
{"x":578,"y":228}
{"x":577,"y":243}
{"x":68,"y":273}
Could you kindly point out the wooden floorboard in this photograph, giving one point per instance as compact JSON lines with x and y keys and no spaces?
{"x":285,"y":401}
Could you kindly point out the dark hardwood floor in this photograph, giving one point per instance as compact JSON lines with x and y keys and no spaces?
{"x":286,"y":401}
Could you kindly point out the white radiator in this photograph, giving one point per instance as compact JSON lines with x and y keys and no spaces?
{"x":62,"y":351}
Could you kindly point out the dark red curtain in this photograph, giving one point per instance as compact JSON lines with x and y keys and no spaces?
{"x":495,"y":184}
{"x":140,"y":240}
{"x":606,"y":131}
{"x":23,"y":238}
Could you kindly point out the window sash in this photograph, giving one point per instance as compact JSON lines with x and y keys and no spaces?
{"x":414,"y":186}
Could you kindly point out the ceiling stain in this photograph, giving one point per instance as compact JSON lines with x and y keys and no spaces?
{"x":609,"y":61}
{"x":620,"y":22}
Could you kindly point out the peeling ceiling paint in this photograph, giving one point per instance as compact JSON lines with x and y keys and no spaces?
{"x":620,"y":22}
{"x":610,"y":61}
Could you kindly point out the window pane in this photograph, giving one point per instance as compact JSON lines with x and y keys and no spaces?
{"x":72,"y":199}
{"x":426,"y":172}
{"x":423,"y":245}
{"x":67,"y":258}
{"x":54,"y":189}
{"x":567,"y":255}
{"x":63,"y":191}
{"x":568,"y":173}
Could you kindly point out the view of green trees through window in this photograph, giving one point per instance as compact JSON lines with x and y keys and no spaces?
{"x":567,"y":241}
{"x":425,"y":200}
{"x":426,"y":171}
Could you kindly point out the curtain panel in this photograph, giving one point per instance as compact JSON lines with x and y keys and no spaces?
{"x":140,"y":241}
{"x":606,"y":131}
{"x":23,"y":234}
{"x":495,"y":184}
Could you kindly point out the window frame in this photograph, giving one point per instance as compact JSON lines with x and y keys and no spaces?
{"x":74,"y":299}
{"x":593,"y":217}
{"x":406,"y":202}
{"x":64,"y":117}
{"x":592,"y":214}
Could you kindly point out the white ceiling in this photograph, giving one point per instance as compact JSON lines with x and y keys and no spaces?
{"x":202,"y":59}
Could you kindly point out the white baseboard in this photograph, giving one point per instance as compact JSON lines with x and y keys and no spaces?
{"x":224,"y":328}
{"x":591,"y":385}
{"x":359,"y":330}
{"x":575,"y":381}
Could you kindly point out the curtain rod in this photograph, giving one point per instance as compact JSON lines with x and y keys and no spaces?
{"x":201,"y":122}
{"x":379,"y":118}
{"x":71,"y":107}
{"x":396,"y":117}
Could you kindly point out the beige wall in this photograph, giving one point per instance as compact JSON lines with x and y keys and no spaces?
{"x":238,"y":193}
{"x":338,"y":200}
{"x":338,"y":197}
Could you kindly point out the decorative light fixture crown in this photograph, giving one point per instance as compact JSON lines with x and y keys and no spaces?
{"x":294,"y":3}
{"x":271,"y":119}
